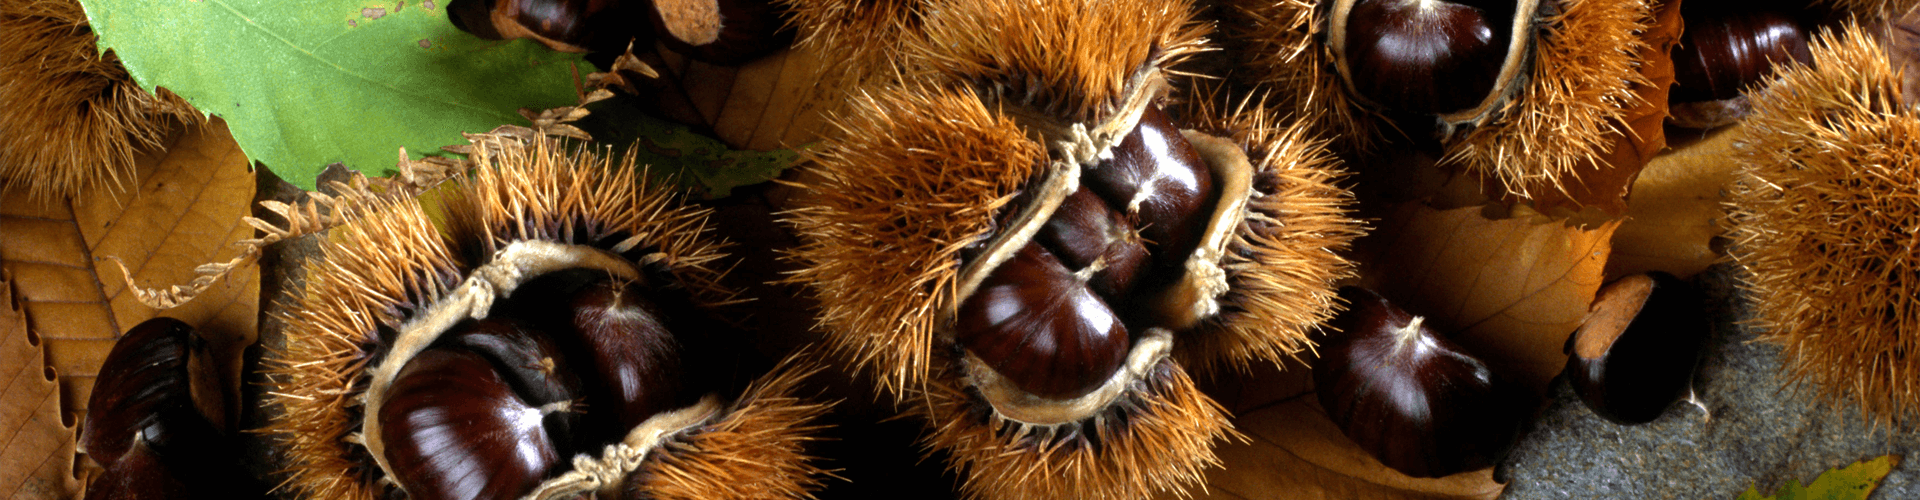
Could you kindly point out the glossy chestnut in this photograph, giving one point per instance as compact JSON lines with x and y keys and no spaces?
{"x":1635,"y":354}
{"x":145,"y":381}
{"x":1036,"y":323}
{"x":635,"y":359}
{"x":562,"y":25}
{"x":1160,"y":183}
{"x":455,"y":430}
{"x":1408,"y":396}
{"x":1726,"y":49}
{"x":1427,"y":57}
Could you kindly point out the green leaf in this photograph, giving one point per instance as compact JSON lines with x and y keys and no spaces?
{"x":704,"y":165}
{"x":1853,"y":482}
{"x":308,"y":83}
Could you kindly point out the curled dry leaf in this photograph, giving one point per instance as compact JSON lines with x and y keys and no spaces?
{"x":185,"y":209}
{"x":1676,"y":209}
{"x":1510,"y":289}
{"x":36,"y":442}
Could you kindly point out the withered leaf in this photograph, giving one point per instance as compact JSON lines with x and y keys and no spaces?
{"x":36,"y":442}
{"x":182,"y":209}
{"x":1675,"y":211}
{"x":779,"y":101}
{"x":1510,"y":289}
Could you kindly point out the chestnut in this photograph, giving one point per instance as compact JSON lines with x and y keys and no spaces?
{"x":1036,"y":323}
{"x":1726,"y":49}
{"x":155,"y":420}
{"x":1408,"y":396}
{"x":1427,"y":57}
{"x":1158,"y":181}
{"x":1635,"y":354}
{"x":632,"y":353}
{"x":562,"y":25}
{"x":454,"y":429}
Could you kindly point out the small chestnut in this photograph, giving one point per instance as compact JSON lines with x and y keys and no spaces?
{"x":1410,"y":397}
{"x":1430,"y":57}
{"x":153,"y":420}
{"x":1635,"y":354}
{"x":1036,"y":323}
{"x":1158,"y":180}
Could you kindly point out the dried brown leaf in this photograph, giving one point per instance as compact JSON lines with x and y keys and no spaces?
{"x":779,"y":101}
{"x":1676,"y":210}
{"x":185,"y":211}
{"x":36,"y":443}
{"x":1508,"y":289}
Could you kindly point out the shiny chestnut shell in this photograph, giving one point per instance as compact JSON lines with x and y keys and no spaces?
{"x":1426,"y":56}
{"x":1408,"y":396}
{"x":455,"y":430}
{"x":1636,"y":353}
{"x":1727,"y":48}
{"x":1158,"y":180}
{"x":145,"y":382}
{"x":1036,"y":323}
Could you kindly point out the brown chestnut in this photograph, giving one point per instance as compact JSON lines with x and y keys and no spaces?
{"x":1160,"y":183}
{"x":1036,"y":323}
{"x":562,"y":25}
{"x":1727,"y":48}
{"x":632,"y":353}
{"x":154,"y":420}
{"x":1410,"y":397}
{"x":1087,"y":233}
{"x":1635,"y":354}
{"x":455,"y":430}
{"x":1429,"y":57}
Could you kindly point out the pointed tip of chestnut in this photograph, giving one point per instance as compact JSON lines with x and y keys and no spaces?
{"x":1410,"y":397}
{"x":1636,"y":353}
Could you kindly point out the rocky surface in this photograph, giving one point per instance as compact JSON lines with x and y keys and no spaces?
{"x":1751,"y":427}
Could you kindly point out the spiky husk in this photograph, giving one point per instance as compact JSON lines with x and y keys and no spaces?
{"x":1285,"y":257}
{"x":74,"y":118}
{"x":1071,"y":60}
{"x":1157,"y":438}
{"x":1584,"y":71}
{"x":391,"y":261}
{"x":1823,"y":219}
{"x":1286,"y":57}
{"x":757,"y":451}
{"x":912,"y":176}
{"x":862,"y":35}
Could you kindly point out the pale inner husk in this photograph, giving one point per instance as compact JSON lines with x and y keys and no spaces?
{"x":512,"y":266}
{"x":1188,"y":301}
{"x":1512,"y":70}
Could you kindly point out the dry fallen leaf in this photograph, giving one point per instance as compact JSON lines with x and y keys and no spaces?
{"x":1296,"y":452}
{"x":182,"y":210}
{"x":1675,"y":210}
{"x":1510,"y":290}
{"x":780,"y":101}
{"x":36,"y":443}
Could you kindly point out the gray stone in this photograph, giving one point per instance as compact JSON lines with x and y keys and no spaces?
{"x":1751,"y":427}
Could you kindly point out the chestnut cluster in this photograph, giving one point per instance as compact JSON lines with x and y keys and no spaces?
{"x":157,"y":423}
{"x":1635,"y":354}
{"x":1055,"y":317}
{"x":576,"y":358}
{"x":1413,"y":399}
{"x":1728,"y":48}
{"x":715,"y":31}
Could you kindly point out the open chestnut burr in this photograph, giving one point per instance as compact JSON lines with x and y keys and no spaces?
{"x":714,"y":31}
{"x":554,"y":335}
{"x":1414,"y":400}
{"x":1030,"y":250}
